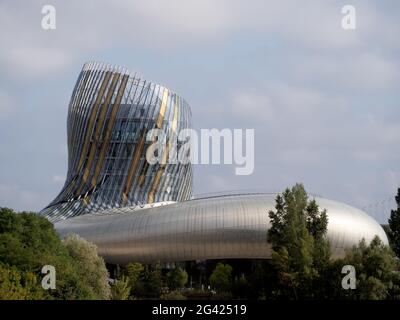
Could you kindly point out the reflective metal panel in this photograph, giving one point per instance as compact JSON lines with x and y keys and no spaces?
{"x":110,"y":113}
{"x":213,"y":228}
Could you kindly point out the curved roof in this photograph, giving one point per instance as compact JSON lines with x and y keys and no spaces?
{"x":209,"y":228}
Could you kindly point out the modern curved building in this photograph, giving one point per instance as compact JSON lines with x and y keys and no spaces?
{"x":136,"y":211}
{"x":232,"y":226}
{"x":110,"y":115}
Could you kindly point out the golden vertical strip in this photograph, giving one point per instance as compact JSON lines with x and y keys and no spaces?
{"x":157,"y":178}
{"x":175,"y":119}
{"x":92,"y":117}
{"x":174,"y":126}
{"x":160,"y":119}
{"x":132,"y":168}
{"x":99,"y":125}
{"x":164,"y":159}
{"x":142,"y":174}
{"x":163,"y":107}
{"x":89,"y":128}
{"x":110,"y":127}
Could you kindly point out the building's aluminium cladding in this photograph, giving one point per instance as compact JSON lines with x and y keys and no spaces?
{"x":110,"y":113}
{"x":211,"y":228}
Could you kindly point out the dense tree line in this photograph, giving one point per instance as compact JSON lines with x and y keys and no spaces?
{"x":301,"y":266}
{"x":28,"y":242}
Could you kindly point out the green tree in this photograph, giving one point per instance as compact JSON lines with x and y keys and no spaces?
{"x":377,"y":272}
{"x":16,"y":285}
{"x":92,"y":269}
{"x":133,"y":272}
{"x":394,"y":225}
{"x":176,"y":278}
{"x":27,"y":243}
{"x":300,"y":249}
{"x":120,"y":290}
{"x":149,"y":283}
{"x":221,"y":278}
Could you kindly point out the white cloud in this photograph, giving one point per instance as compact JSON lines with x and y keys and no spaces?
{"x":83,"y":27}
{"x":283,"y":102}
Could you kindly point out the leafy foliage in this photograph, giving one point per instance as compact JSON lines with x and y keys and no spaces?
{"x":133,"y":272}
{"x":394,"y":225}
{"x":221,"y":278}
{"x":176,"y":278}
{"x":16,"y":285}
{"x":300,"y":249}
{"x":92,"y":270}
{"x":27,"y":243}
{"x":377,"y":272}
{"x":149,"y":283}
{"x":120,"y":290}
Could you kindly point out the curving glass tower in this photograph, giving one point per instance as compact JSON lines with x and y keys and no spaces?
{"x":110,"y":114}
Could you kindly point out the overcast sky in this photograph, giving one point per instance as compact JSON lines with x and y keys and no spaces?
{"x":324,"y":101}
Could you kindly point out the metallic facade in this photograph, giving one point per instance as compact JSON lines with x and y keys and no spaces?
{"x":212,"y":228}
{"x":138,"y":212}
{"x":110,"y":113}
